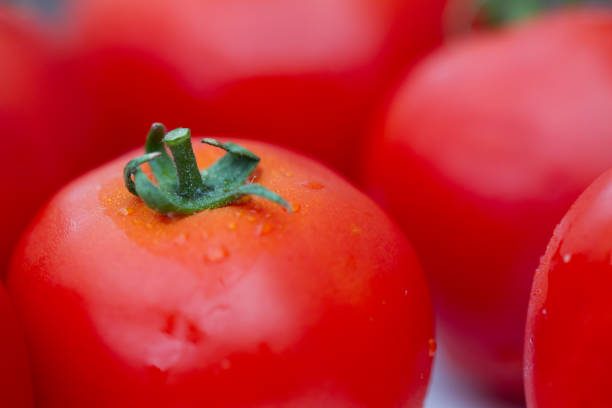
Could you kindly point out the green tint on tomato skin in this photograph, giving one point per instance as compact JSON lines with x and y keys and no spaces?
{"x":569,"y":322}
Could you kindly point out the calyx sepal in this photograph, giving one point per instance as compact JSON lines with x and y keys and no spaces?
{"x":181,"y":187}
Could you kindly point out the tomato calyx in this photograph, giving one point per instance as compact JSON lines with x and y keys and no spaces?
{"x":184,"y":189}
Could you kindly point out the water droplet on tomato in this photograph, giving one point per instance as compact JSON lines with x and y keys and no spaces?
{"x":255,"y":175}
{"x":544,"y":312}
{"x":232,"y":226}
{"x":216,"y":254}
{"x":567,"y":258}
{"x":180,"y":240}
{"x":263,"y":229}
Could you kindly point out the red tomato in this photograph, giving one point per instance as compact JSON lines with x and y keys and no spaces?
{"x":33,"y":106}
{"x":483,"y":150}
{"x":569,"y":323}
{"x":241,"y":306}
{"x":15,"y":383}
{"x":304,"y":74}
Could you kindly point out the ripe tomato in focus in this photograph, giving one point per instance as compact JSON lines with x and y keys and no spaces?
{"x":483,"y":150}
{"x":15,"y":383}
{"x":303,"y":74}
{"x":241,"y":306}
{"x":32,"y":99}
{"x":569,"y":323}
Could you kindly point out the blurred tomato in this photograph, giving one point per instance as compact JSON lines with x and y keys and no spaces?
{"x":33,"y":102}
{"x":304,"y":74}
{"x":482,"y":152}
{"x":569,"y":324}
{"x":15,"y":383}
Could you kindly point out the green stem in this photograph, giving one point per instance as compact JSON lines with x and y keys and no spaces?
{"x":182,"y":188}
{"x":189,"y":178}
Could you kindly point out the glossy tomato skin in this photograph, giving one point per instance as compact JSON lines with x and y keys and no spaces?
{"x":483,"y":150}
{"x":262,"y":69}
{"x":34,"y":101}
{"x":569,"y":323}
{"x":15,"y":382}
{"x":242,"y":306}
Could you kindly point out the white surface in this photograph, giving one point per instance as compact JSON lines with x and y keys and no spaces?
{"x":448,"y":390}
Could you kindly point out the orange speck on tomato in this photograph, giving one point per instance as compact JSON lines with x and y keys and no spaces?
{"x":432,"y":347}
{"x":312,"y":185}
